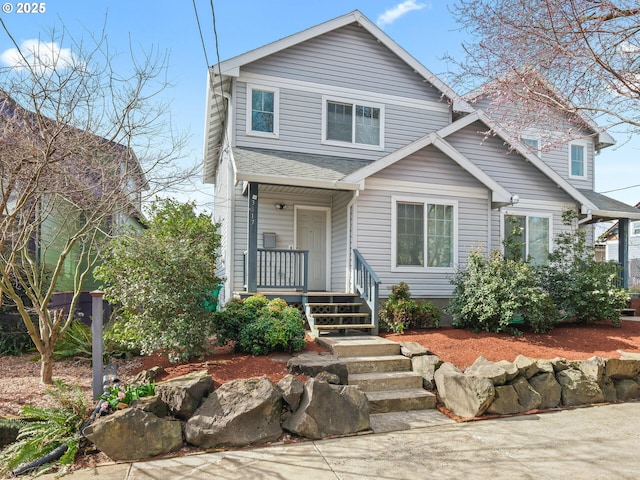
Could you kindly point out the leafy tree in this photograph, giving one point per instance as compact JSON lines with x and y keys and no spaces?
{"x":70,"y":123}
{"x":586,"y":51}
{"x":160,"y":279}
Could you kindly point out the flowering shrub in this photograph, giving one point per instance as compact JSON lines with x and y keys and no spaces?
{"x":120,"y":396}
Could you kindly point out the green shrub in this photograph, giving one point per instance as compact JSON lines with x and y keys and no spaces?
{"x":401,"y":312}
{"x":75,"y":342}
{"x":579,"y":285}
{"x":14,"y":338}
{"x":47,"y":428}
{"x":259,"y":326}
{"x":489,"y":292}
{"x":125,"y":394}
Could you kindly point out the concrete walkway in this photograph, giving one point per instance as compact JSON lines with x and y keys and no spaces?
{"x":599,"y":442}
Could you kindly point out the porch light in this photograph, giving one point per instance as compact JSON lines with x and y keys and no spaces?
{"x":280,"y":206}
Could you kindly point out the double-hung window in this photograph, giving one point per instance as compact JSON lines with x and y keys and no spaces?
{"x":425,"y":234}
{"x":262,"y":111}
{"x":578,"y":159}
{"x":533,"y":144}
{"x":527,"y":237}
{"x":360,"y":124}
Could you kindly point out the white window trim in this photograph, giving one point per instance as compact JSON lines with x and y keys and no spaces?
{"x":585,"y":146}
{"x":276,"y":111}
{"x":526,"y":214}
{"x":632,"y":229}
{"x":394,"y":230}
{"x":353,"y":102}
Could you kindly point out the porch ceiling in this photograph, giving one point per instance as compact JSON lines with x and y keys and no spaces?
{"x":609,"y":208}
{"x":297,"y":169}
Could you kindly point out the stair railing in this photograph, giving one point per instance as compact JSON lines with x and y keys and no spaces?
{"x":367,"y":285}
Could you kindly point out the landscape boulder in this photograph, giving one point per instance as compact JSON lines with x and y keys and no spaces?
{"x":329,"y":410}
{"x":622,"y":368}
{"x":311,"y":364}
{"x":291,"y":389}
{"x":240,"y":412}
{"x":528,"y":397}
{"x":153,"y":405}
{"x":627,"y":389}
{"x":467,"y":396}
{"x":413,"y":349}
{"x":491,"y":370}
{"x":549,"y":389}
{"x":528,"y":367}
{"x":505,"y":401}
{"x":426,"y":366}
{"x":133,"y":434}
{"x":183,"y":395}
{"x":578,"y":389}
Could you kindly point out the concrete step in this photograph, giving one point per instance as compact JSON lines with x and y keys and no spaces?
{"x":400,"y":400}
{"x":384,"y":363}
{"x":345,"y":326}
{"x":360,"y":346}
{"x":380,"y":381}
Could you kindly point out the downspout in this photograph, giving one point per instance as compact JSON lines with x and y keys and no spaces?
{"x":586,"y":219}
{"x":230,"y":260}
{"x":349,"y":257}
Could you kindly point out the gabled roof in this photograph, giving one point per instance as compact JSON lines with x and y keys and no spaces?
{"x":603,"y":139}
{"x":438,"y":140}
{"x":215,"y":110}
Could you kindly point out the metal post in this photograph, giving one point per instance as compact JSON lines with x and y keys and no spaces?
{"x":623,"y":250}
{"x":97,"y":342}
{"x":252,"y":246}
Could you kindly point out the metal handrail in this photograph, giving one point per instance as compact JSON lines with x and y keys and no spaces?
{"x":281,"y":268}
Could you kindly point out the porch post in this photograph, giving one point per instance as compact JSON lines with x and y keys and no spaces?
{"x":623,"y":249}
{"x":252,"y":246}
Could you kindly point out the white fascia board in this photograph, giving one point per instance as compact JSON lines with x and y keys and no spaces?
{"x":615,"y":214}
{"x":297,"y":182}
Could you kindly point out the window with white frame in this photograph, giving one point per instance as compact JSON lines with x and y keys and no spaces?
{"x":425,"y":234}
{"x":635,"y":228}
{"x":533,"y":144}
{"x":262,"y":111}
{"x":578,"y":159}
{"x":355,"y":123}
{"x":527,"y":237}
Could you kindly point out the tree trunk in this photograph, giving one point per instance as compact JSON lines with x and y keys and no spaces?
{"x":46,"y":367}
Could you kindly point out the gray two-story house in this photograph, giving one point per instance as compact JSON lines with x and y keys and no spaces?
{"x":342,"y":165}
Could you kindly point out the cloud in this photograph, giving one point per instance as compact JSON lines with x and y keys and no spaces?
{"x":391,"y":15}
{"x":39,"y":55}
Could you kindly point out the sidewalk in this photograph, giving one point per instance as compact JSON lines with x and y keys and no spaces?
{"x":589,"y":443}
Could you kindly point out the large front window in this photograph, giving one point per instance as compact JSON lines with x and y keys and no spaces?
{"x":425,"y":235}
{"x":359,"y":124}
{"x":527,"y":237}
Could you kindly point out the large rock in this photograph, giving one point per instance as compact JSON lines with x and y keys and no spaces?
{"x":291,"y":389}
{"x":465,"y":395}
{"x":510,"y":369}
{"x":8,"y":434}
{"x":153,"y":405}
{"x":413,"y":349}
{"x":627,"y":389}
{"x":328,"y":410}
{"x":183,"y":395}
{"x":528,"y":367}
{"x":619,"y":368}
{"x":549,"y":389}
{"x":426,"y":366}
{"x":577,"y":389}
{"x":484,"y":368}
{"x":595,"y":369}
{"x":132,"y":434}
{"x":311,"y":364}
{"x":527,"y":395}
{"x":240,"y":412}
{"x":505,"y":401}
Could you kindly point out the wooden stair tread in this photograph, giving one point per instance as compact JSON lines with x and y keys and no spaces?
{"x":345,"y":326}
{"x":338,"y":315}
{"x":334,"y":304}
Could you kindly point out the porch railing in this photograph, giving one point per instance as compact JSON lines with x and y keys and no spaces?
{"x":281,"y":268}
{"x":367,"y":285}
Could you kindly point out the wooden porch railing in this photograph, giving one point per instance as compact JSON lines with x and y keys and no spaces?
{"x":367,"y":285}
{"x":281,"y":268}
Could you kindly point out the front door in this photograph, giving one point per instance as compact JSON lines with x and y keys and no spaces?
{"x":311,"y":234}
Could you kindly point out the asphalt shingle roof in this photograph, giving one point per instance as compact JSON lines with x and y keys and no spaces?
{"x":609,"y":204}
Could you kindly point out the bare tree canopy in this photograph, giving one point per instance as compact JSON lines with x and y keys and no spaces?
{"x":574,"y":57}
{"x":84,"y":135}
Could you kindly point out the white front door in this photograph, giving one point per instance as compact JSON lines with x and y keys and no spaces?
{"x":311,"y":234}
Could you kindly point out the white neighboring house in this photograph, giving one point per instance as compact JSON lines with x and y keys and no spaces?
{"x":612,"y":248}
{"x":342,"y":165}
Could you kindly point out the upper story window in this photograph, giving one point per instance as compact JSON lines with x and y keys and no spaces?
{"x":578,"y":159}
{"x":262,"y":111}
{"x":360,"y":124}
{"x":533,"y":144}
{"x":635,"y":228}
{"x":424,"y":234}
